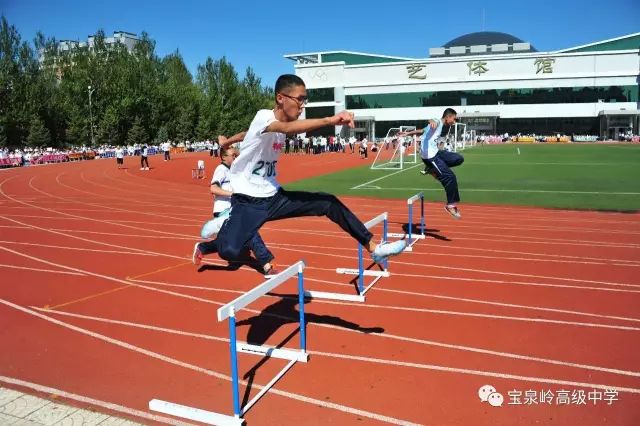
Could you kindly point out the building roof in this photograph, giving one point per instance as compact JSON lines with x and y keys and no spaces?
{"x":483,"y":37}
{"x":482,"y":43}
{"x":349,"y":58}
{"x":478,"y":43}
{"x":626,"y":42}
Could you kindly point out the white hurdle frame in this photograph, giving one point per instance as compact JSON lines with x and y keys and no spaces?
{"x":411,"y":237}
{"x":360,"y":271}
{"x":228,"y":311}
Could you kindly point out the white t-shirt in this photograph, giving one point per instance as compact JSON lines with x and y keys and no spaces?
{"x":429,"y":146}
{"x":253,"y":173}
{"x":221,"y":178}
{"x":166,"y":146}
{"x":119,"y":153}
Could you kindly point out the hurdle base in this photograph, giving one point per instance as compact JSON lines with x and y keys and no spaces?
{"x":196,"y":414}
{"x":350,"y":271}
{"x":272,"y":352}
{"x":334,"y":296}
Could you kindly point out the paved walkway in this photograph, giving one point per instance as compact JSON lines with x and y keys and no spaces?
{"x":20,"y":409}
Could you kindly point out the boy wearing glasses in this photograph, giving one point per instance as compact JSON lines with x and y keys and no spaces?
{"x":221,"y":189}
{"x":438,"y":162}
{"x":258,"y":197}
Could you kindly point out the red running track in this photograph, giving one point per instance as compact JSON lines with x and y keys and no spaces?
{"x":99,"y":300}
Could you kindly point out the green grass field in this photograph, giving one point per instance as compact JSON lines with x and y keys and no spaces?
{"x":571,"y":176}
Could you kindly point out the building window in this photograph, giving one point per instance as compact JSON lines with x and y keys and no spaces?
{"x":321,"y":95}
{"x":557,"y":95}
{"x":320,"y":112}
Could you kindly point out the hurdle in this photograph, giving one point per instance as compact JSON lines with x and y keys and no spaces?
{"x":411,"y":237}
{"x":228,"y":311}
{"x":360,"y":271}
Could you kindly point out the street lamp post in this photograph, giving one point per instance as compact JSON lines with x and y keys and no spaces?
{"x":91,"y":114}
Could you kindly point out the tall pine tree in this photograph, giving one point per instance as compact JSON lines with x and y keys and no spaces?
{"x":137,"y":134}
{"x":39,"y":135}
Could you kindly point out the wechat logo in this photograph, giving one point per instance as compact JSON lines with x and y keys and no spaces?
{"x":488,"y":393}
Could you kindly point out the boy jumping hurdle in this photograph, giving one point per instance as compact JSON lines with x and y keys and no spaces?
{"x":258,"y":197}
{"x":438,"y":162}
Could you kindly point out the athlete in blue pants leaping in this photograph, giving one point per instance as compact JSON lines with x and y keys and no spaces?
{"x":438,"y":163}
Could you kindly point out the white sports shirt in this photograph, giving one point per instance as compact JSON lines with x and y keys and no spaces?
{"x":221,"y":178}
{"x":429,"y":146}
{"x":253,"y":173}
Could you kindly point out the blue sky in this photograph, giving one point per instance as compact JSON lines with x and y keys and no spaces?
{"x":258,"y":34}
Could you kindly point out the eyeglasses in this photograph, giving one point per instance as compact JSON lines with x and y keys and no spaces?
{"x":301,"y":100}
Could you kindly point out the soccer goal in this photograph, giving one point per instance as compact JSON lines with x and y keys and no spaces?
{"x":460,"y":136}
{"x":395,"y":151}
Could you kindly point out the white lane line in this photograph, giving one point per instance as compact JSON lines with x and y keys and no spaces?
{"x":518,"y":239}
{"x":94,"y":402}
{"x":430,"y":276}
{"x":386,"y":335}
{"x":419,"y":341}
{"x":457,"y":253}
{"x":457,"y":268}
{"x":77,"y":248}
{"x":455,"y":313}
{"x":2,"y":265}
{"x":351,"y":257}
{"x":386,"y":176}
{"x":545,"y":241}
{"x":483,"y":302}
{"x":173,"y":361}
{"x":366,"y":359}
{"x":533,"y":191}
{"x":143,"y":222}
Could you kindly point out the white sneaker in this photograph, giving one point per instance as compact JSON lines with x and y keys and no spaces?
{"x":141,"y":168}
{"x":386,"y":250}
{"x":213,"y":226}
{"x":453,"y":211}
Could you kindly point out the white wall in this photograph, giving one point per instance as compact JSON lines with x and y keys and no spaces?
{"x":506,"y":111}
{"x":500,"y":68}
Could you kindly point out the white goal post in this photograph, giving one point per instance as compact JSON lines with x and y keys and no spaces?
{"x":462,"y":138}
{"x":393,"y":152}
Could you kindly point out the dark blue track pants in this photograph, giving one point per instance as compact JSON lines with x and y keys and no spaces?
{"x":442,"y":163}
{"x":248,"y":214}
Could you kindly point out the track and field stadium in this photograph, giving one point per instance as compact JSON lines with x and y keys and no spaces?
{"x":533,"y":293}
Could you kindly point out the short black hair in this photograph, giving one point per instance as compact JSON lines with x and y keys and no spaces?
{"x":449,"y":111}
{"x":287,"y":81}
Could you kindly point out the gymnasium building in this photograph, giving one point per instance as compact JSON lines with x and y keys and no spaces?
{"x":496,"y":82}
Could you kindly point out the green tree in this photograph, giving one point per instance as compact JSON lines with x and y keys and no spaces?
{"x":162,"y":135}
{"x":3,"y":135}
{"x":137,"y":134}
{"x":129,"y":89}
{"x":109,"y":129}
{"x":77,"y":133}
{"x":39,"y":135}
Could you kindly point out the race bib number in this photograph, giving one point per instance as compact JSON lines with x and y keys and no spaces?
{"x":265,"y":168}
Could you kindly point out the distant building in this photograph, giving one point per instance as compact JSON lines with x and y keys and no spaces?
{"x":497,"y":83}
{"x":129,"y":40}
